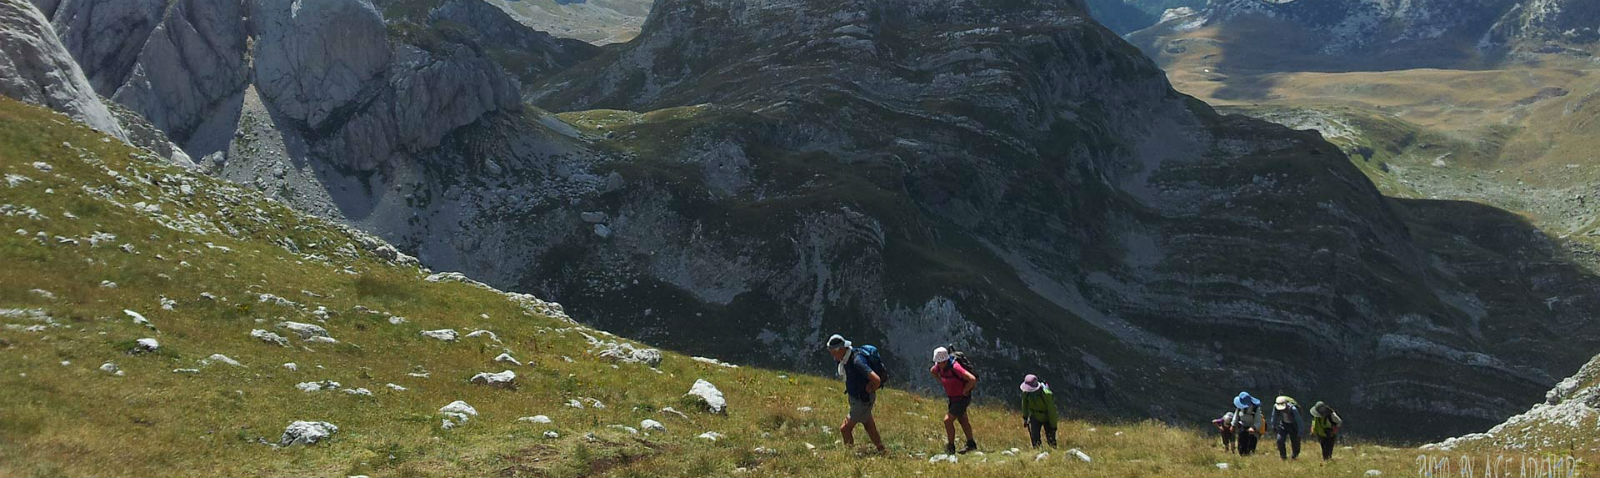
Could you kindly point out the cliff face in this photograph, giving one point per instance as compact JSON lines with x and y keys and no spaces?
{"x":358,"y":86}
{"x":35,"y":67}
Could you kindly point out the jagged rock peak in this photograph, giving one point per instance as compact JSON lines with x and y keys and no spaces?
{"x":310,"y":79}
{"x":35,"y":67}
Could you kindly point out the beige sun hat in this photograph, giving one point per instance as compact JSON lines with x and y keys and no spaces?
{"x":1283,"y":402}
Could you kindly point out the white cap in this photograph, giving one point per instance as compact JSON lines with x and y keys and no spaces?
{"x":941,"y":354}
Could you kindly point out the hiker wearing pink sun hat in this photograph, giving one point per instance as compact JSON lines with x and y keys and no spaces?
{"x":1038,"y":409}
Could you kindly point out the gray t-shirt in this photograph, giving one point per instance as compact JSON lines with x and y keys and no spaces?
{"x":1246,"y":418}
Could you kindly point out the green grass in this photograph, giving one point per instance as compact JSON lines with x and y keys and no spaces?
{"x":61,"y":416}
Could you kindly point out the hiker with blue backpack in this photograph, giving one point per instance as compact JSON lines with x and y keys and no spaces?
{"x":863,"y":372}
{"x":958,"y":382}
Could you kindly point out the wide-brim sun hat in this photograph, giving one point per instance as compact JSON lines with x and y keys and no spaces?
{"x":1240,"y":401}
{"x":1034,"y":381}
{"x":1317,"y":410}
{"x":941,"y":354}
{"x":1282,"y":402}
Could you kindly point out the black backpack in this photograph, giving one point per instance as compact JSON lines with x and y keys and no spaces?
{"x":961,"y":358}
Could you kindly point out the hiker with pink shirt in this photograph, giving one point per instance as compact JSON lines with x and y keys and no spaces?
{"x":958,"y":383}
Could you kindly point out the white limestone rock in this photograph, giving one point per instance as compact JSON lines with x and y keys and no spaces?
{"x":317,"y":386}
{"x":507,"y":358}
{"x":504,"y":379}
{"x":712,"y":361}
{"x":447,"y":335}
{"x":269,"y":337}
{"x":457,"y":413}
{"x":303,"y":330}
{"x":306,"y":433}
{"x":138,"y":318}
{"x":484,"y":333}
{"x":145,"y":345}
{"x":709,"y":396}
{"x":541,"y":419}
{"x":222,"y":359}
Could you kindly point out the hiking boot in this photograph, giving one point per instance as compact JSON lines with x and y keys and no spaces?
{"x":949,"y":448}
{"x":971,"y":447}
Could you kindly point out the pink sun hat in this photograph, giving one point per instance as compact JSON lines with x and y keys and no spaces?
{"x":1031,"y":383}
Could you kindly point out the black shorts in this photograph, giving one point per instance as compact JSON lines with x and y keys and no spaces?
{"x":958,"y":406}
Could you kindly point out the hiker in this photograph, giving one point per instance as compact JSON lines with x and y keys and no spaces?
{"x":1038,"y":409}
{"x":1325,"y":424}
{"x":1247,"y":422}
{"x":1225,"y":428}
{"x":958,"y":384}
{"x":861,"y":384}
{"x":1286,"y":421}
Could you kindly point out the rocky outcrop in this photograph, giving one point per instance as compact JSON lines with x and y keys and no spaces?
{"x":190,"y":74}
{"x":35,"y":67}
{"x":306,"y":433}
{"x":1549,"y":23}
{"x":106,"y":36}
{"x":318,"y":61}
{"x":426,"y":97}
{"x":145,"y":135}
{"x":360,"y":90}
{"x":1566,"y":420}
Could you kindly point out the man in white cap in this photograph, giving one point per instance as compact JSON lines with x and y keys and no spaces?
{"x":861,"y":386}
{"x":958,"y":383}
{"x":1286,"y":420}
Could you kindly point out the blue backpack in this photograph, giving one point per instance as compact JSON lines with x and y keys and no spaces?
{"x":875,"y":361}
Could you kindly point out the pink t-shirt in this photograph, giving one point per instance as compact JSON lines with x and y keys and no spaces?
{"x":951,"y":378}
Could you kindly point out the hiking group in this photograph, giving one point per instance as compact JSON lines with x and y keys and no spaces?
{"x":864,"y":373}
{"x":1243,"y":427}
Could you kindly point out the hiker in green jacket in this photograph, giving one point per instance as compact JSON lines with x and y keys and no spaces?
{"x":1325,"y":424}
{"x":1038,"y":409}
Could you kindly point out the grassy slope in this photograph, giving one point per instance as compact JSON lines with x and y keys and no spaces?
{"x":61,"y":416}
{"x":595,"y":21}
